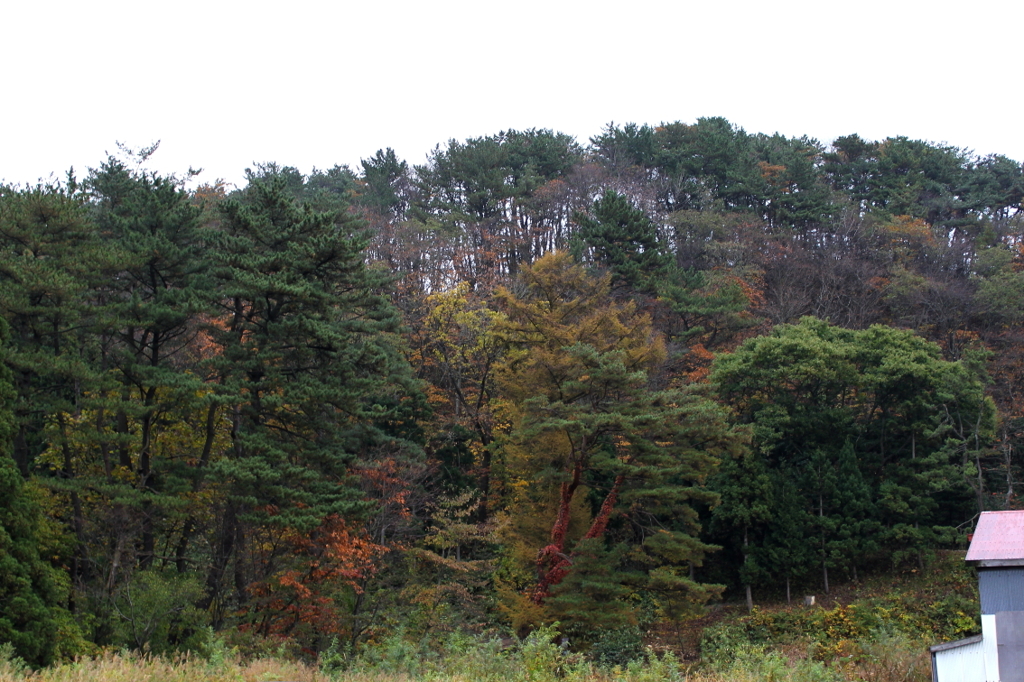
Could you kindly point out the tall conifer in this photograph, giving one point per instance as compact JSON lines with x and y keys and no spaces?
{"x":309,"y":365}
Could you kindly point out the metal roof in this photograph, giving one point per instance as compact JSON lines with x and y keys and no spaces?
{"x":999,"y":536}
{"x":955,"y":645}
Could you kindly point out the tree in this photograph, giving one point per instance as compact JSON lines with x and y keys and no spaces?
{"x":460,"y":350}
{"x":794,"y":195}
{"x":51,"y":262}
{"x":872,"y":425}
{"x":623,"y":239}
{"x":28,"y":584}
{"x":588,"y":431}
{"x":692,"y":167}
{"x":695,"y":306}
{"x":151,"y":311}
{"x":786,"y":551}
{"x":330,"y":190}
{"x":481,"y":193}
{"x":115,"y":456}
{"x":387,"y":184}
{"x":745,"y":508}
{"x":309,"y":370}
{"x":997,"y":187}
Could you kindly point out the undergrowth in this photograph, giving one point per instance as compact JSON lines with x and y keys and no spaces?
{"x":880,"y":634}
{"x":538,"y":659}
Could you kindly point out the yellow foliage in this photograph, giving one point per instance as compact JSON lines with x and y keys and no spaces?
{"x":564,"y":306}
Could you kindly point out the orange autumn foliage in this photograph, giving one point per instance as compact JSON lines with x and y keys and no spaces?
{"x":330,"y":560}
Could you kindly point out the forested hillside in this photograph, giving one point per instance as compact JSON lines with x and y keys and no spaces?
{"x":531,"y":380}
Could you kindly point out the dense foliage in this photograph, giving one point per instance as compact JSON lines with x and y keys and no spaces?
{"x":527,"y":381}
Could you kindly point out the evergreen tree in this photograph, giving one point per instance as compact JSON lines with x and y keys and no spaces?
{"x":51,"y":263}
{"x":820,"y":482}
{"x":873,"y":427}
{"x":481,"y":195}
{"x":623,"y":239}
{"x":387,"y":184}
{"x":745,"y":513}
{"x":586,"y":425}
{"x":856,"y":535}
{"x":787,"y":551}
{"x":309,"y":371}
{"x":794,"y":195}
{"x":150,"y":313}
{"x":330,"y":190}
{"x":28,"y":592}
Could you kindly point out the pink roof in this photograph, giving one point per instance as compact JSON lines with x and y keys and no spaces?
{"x":999,"y":535}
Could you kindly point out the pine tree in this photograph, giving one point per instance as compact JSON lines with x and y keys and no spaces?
{"x":150,"y":312}
{"x":28,"y":592}
{"x":623,"y":239}
{"x":586,"y":425}
{"x":309,"y":367}
{"x":51,"y":263}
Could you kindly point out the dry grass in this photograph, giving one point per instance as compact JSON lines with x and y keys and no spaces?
{"x":122,"y":667}
{"x":879,"y":660}
{"x":114,"y":667}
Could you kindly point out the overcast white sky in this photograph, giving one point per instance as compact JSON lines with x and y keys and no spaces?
{"x":225,"y":83}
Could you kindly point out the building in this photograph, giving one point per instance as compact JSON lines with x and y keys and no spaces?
{"x":997,"y":654}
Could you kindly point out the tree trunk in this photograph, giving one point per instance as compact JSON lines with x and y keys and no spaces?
{"x":824,"y":555}
{"x":1008,"y":465}
{"x":554,"y":555}
{"x":223,"y":550}
{"x":746,"y":557}
{"x":181,"y":551}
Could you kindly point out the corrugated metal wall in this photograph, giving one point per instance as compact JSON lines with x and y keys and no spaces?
{"x":1002,"y":589}
{"x":1010,"y":639}
{"x":960,"y":664}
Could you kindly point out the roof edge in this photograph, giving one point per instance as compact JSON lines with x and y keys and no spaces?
{"x":955,"y":645}
{"x":996,"y":563}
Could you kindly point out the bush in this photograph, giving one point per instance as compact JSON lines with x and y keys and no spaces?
{"x":156,"y":612}
{"x":654,"y":668}
{"x":756,"y":664}
{"x":11,"y":665}
{"x":890,"y":657}
{"x":540,"y":655}
{"x":720,"y":642}
{"x":618,"y":646}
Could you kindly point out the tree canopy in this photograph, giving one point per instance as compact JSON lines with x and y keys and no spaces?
{"x":528,"y":380}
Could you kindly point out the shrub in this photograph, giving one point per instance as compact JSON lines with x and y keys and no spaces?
{"x":156,"y":612}
{"x":618,"y":646}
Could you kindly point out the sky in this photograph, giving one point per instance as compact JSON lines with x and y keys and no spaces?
{"x":224,"y":84}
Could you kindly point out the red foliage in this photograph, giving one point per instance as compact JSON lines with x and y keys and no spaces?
{"x":326,"y":562}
